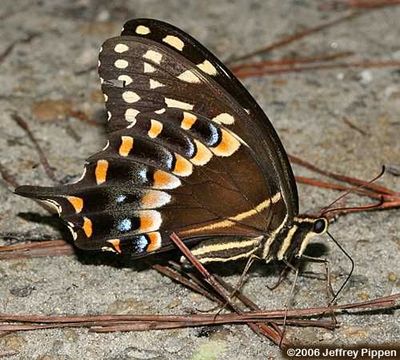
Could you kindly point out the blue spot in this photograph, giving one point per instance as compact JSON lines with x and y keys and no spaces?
{"x":168,"y":159}
{"x":141,"y":175}
{"x":121,"y":198}
{"x":124,"y":225}
{"x":141,"y":243}
{"x":191,"y":148}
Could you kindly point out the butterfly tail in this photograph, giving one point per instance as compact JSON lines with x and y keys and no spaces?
{"x":36,"y":192}
{"x":50,"y":197}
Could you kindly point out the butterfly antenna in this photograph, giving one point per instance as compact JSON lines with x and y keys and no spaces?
{"x":329,"y":208}
{"x":351,"y":270}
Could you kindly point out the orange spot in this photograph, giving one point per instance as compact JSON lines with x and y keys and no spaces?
{"x":115,"y":243}
{"x":150,"y":220}
{"x":146,"y":222}
{"x":101,"y":171}
{"x":228,"y":145}
{"x":203,"y":154}
{"x":164,"y":180}
{"x":149,"y":198}
{"x":87,"y":227}
{"x":155,"y":241}
{"x":153,"y":199}
{"x":182,"y":166}
{"x":76,"y":202}
{"x":188,"y":120}
{"x":155,"y":129}
{"x":126,"y":145}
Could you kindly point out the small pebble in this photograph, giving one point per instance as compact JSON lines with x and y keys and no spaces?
{"x":392,"y":277}
{"x":366,"y":77}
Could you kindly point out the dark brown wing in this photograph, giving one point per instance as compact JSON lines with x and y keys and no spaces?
{"x":189,"y":151}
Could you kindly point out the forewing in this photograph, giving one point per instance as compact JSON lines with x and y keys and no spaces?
{"x":259,"y":130}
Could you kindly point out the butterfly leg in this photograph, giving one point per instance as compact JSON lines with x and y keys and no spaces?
{"x":289,"y":299}
{"x":240,"y":283}
{"x":225,"y":249}
{"x":329,"y":290}
{"x":282,"y":276}
{"x":246,"y":269}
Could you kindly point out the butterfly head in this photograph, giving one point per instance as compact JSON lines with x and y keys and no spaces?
{"x":298,"y":236}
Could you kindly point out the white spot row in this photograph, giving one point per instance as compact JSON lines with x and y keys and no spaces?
{"x":142,"y":30}
{"x":224,"y":118}
{"x":130,"y":115}
{"x":189,"y":76}
{"x":178,"y":104}
{"x":154,"y":84}
{"x":121,"y":64}
{"x":208,"y":68}
{"x":148,"y":68}
{"x":125,"y":78}
{"x":120,"y":48}
{"x":174,"y":42}
{"x":153,"y":56}
{"x":130,"y":97}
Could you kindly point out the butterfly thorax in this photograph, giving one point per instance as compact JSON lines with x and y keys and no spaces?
{"x":292,"y":240}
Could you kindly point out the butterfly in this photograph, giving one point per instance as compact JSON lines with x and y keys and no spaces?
{"x":189,"y":151}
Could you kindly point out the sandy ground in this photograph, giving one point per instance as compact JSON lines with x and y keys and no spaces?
{"x":43,"y":79}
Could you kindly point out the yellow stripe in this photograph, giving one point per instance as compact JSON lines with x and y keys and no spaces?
{"x":272,"y":238}
{"x":225,"y":246}
{"x":244,"y":215}
{"x":232,"y":258}
{"x":305,"y":242}
{"x":286,"y":243}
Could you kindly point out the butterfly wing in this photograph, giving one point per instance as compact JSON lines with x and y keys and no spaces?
{"x":262,"y":135}
{"x":189,"y":151}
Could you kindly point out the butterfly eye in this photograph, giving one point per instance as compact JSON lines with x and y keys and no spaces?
{"x":320,"y":226}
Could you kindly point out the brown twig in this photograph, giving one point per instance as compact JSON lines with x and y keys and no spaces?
{"x":8,"y":177}
{"x":106,"y":323}
{"x":194,"y":286}
{"x":347,"y":121}
{"x":82,"y":116}
{"x":270,"y":332}
{"x":289,"y":62}
{"x":350,"y":180}
{"x":43,"y":159}
{"x":7,"y":51}
{"x":368,"y":4}
{"x":333,"y":186}
{"x":242,"y":74}
{"x":36,"y":249}
{"x":294,"y":37}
